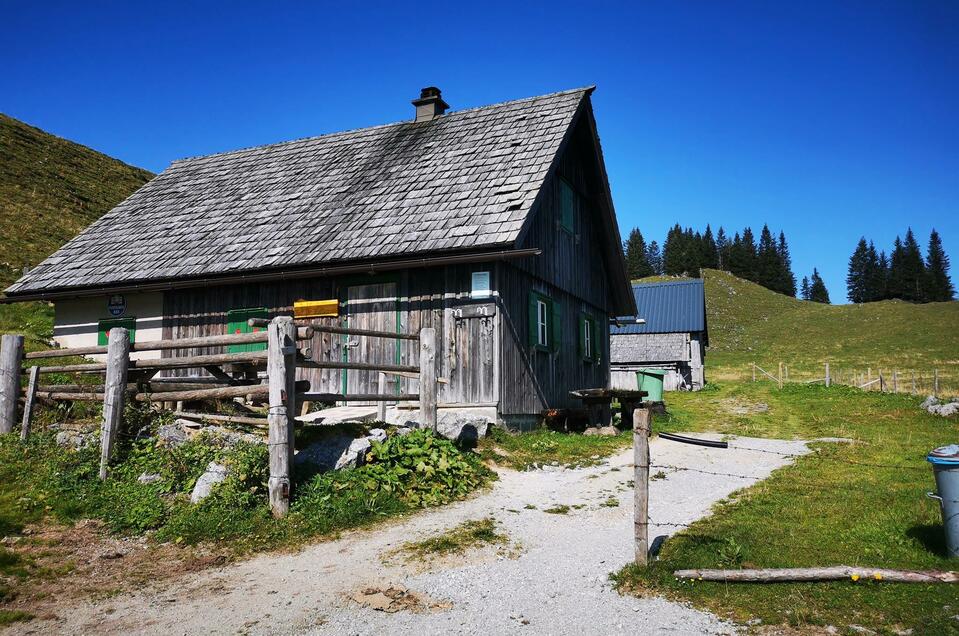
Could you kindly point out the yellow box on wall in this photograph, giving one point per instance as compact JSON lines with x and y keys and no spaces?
{"x":316,"y":308}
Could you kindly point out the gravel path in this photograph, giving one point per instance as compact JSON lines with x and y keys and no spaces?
{"x":558,"y":583}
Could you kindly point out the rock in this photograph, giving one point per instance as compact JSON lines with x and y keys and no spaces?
{"x":149,"y":478}
{"x":111,"y":554}
{"x":75,"y":439}
{"x":463,"y":428}
{"x":215,"y":473}
{"x":335,"y":452}
{"x":404,"y":430}
{"x":929,"y":402}
{"x":608,"y":431}
{"x":593,"y":430}
{"x":172,"y":434}
{"x":859,"y":629}
{"x":377,"y":435}
{"x":11,"y":540}
{"x":947,"y":410}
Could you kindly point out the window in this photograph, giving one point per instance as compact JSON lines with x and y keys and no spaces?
{"x":103,"y":329}
{"x":588,"y":343}
{"x":544,"y":322}
{"x":567,"y":206}
{"x":237,"y":323}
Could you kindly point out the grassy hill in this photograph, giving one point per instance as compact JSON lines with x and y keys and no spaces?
{"x":748,"y":323}
{"x":50,"y":189}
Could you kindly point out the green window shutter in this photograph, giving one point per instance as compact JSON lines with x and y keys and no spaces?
{"x":103,"y":329}
{"x":237,"y":323}
{"x":567,"y":205}
{"x":582,"y":336}
{"x":556,"y":327}
{"x":533,"y":323}
{"x":597,"y":349}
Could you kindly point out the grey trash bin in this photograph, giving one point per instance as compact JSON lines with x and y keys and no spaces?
{"x":945,"y":465}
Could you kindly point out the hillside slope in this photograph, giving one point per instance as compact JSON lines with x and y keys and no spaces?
{"x":50,"y":189}
{"x":748,"y":323}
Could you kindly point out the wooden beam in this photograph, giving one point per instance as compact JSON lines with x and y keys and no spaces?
{"x":260,"y":422}
{"x":360,"y":366}
{"x":11,"y":354}
{"x":186,"y":362}
{"x":360,"y":397}
{"x":834,"y":573}
{"x":118,"y":359}
{"x":370,"y":333}
{"x":212,"y":394}
{"x":642,"y":423}
{"x":428,"y":378}
{"x":28,"y":404}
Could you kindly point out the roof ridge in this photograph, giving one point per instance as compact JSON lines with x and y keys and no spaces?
{"x":583,"y":89}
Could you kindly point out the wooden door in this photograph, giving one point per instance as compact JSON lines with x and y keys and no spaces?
{"x":375,"y":307}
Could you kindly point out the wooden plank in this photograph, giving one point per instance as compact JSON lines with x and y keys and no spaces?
{"x":254,"y":357}
{"x":118,"y":360}
{"x":642,"y":423}
{"x":360,"y":366}
{"x":11,"y":355}
{"x":369,"y":333}
{"x":834,"y":573}
{"x":260,"y":422}
{"x":360,"y":397}
{"x":28,"y":404}
{"x":211,"y":394}
{"x":428,"y":378}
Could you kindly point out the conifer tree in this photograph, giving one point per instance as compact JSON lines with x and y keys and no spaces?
{"x":637,"y":265}
{"x":709,"y":256}
{"x":804,"y":293}
{"x":938,"y":284}
{"x":907,"y":272}
{"x":654,"y":258}
{"x":748,"y":255}
{"x":817,"y":288}
{"x":768,"y":264}
{"x":722,"y":249}
{"x":788,"y":282}
{"x":673,"y":261}
{"x":881,"y":284}
{"x":857,"y":278}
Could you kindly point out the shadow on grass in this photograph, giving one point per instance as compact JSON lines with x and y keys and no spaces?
{"x":931,"y":536}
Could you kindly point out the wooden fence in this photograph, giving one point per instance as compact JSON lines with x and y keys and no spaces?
{"x":126,"y":379}
{"x":886,"y":380}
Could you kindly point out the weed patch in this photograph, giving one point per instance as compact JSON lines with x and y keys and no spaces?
{"x":543,"y":447}
{"x":467,"y":535}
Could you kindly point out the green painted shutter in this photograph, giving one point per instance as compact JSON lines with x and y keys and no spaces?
{"x":533,"y":323}
{"x":597,"y":349}
{"x":556,"y":327}
{"x":103,"y":329}
{"x":237,"y":323}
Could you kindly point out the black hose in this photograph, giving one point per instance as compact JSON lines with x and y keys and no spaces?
{"x":673,"y":437}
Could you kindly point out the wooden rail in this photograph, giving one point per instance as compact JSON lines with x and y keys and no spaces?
{"x":360,"y":397}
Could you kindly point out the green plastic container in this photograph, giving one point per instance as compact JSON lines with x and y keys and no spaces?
{"x":651,"y":381}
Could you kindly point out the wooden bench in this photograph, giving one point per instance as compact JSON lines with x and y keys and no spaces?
{"x":599,"y":402}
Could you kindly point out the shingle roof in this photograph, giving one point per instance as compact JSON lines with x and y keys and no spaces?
{"x":668,"y":307}
{"x":463,"y":181}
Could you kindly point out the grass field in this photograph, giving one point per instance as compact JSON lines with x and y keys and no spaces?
{"x":861,"y":502}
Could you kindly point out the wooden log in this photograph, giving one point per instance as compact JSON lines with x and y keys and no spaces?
{"x":359,"y":366}
{"x":118,"y":360}
{"x":833,"y":573}
{"x":280,"y":437}
{"x":185,"y":362}
{"x":642,"y":423}
{"x":140,"y":387}
{"x":303,"y":333}
{"x":428,"y":378}
{"x":214,"y":393}
{"x":370,"y":333}
{"x":381,"y":406}
{"x":260,"y":422}
{"x":360,"y":397}
{"x":11,"y":355}
{"x":28,"y":404}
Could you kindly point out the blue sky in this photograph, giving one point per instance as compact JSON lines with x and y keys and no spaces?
{"x":828,"y":120}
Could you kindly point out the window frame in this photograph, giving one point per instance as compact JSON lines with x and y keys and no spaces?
{"x":539,"y":303}
{"x":589,"y":338}
{"x":542,"y":323}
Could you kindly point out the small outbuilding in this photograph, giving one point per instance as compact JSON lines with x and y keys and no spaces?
{"x":670,"y":335}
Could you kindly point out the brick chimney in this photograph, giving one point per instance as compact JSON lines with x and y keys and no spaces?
{"x":430,"y":105}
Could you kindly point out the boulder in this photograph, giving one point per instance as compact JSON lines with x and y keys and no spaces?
{"x":149,"y":478}
{"x":947,"y":410}
{"x":608,"y":431}
{"x":929,"y":402}
{"x":335,"y":452}
{"x":172,"y":434}
{"x":75,"y":439}
{"x":463,"y":428}
{"x":377,"y":435}
{"x":215,"y":474}
{"x":592,"y":430}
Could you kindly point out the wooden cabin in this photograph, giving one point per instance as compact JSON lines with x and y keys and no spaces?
{"x":493,"y":225}
{"x":672,"y":336}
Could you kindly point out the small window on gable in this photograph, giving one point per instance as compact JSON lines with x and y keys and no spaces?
{"x":588,"y":338}
{"x":544,"y":322}
{"x":236,"y":323}
{"x":103,"y":329}
{"x":567,"y":206}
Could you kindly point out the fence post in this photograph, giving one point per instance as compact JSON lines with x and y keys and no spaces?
{"x":114,"y":393}
{"x":869,"y":378}
{"x":28,"y":403}
{"x":381,"y":405}
{"x":281,"y":371}
{"x":913,"y":382}
{"x":11,"y":355}
{"x":882,"y":388}
{"x":642,"y":422}
{"x":428,"y":378}
{"x":754,"y":371}
{"x":780,"y":375}
{"x":827,"y":374}
{"x":895,"y":380}
{"x":935,"y":382}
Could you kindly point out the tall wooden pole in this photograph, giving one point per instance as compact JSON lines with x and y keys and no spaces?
{"x":281,"y":349}
{"x":913,"y":382}
{"x":754,"y":371}
{"x":827,"y":374}
{"x":428,"y":378}
{"x":780,"y":375}
{"x":11,"y":355}
{"x":642,"y":422}
{"x":935,"y":382}
{"x":28,"y":403}
{"x":114,"y":394}
{"x":381,"y":405}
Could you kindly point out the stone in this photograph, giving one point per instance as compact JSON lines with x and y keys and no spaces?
{"x":215,"y":474}
{"x":404,"y":430}
{"x":463,"y":428}
{"x":608,"y":431}
{"x":929,"y":402}
{"x":75,"y":439}
{"x":948,"y":410}
{"x":335,"y":452}
{"x":111,"y":555}
{"x":172,"y":434}
{"x":377,"y":435}
{"x":593,"y":430}
{"x":149,"y":478}
{"x":859,"y":629}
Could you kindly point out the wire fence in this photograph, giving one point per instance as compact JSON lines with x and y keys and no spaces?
{"x":926,"y":381}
